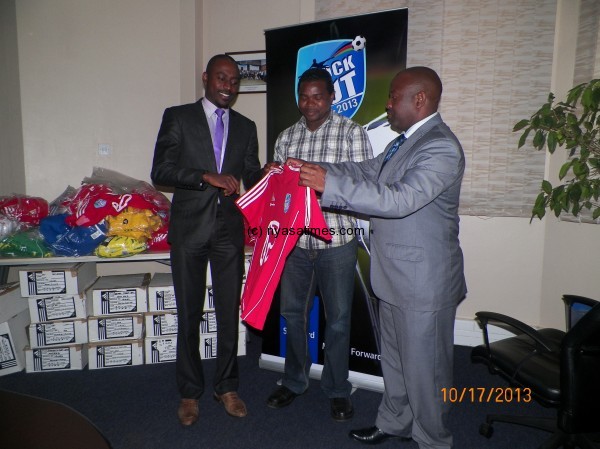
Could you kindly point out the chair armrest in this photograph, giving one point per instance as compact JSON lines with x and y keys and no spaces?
{"x":484,"y":318}
{"x":575,"y":299}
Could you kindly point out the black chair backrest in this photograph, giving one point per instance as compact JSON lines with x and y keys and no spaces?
{"x":575,"y":307}
{"x":580,"y":375}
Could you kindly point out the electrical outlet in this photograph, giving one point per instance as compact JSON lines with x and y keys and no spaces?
{"x":104,"y":149}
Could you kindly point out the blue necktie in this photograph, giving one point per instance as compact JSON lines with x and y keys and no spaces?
{"x":399,"y":141}
{"x":218,"y":142}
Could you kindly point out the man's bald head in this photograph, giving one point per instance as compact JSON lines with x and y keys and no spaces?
{"x":414,"y":94}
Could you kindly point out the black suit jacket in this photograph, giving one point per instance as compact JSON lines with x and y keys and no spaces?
{"x":183,"y":153}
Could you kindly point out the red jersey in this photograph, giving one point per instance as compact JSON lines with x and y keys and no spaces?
{"x":278,"y":211}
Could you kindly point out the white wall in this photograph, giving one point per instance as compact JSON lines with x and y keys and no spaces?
{"x":103,"y":72}
{"x":12,"y":167}
{"x":94,"y":73}
{"x":230,"y":25}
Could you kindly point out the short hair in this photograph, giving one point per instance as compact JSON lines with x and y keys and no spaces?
{"x":212,"y":61}
{"x":428,"y":80}
{"x":317,"y":74}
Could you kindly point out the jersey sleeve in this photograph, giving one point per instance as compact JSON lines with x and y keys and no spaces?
{"x":314,"y":216}
{"x":251,"y":203}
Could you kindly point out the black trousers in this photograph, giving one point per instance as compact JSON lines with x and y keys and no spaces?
{"x":188,"y":265}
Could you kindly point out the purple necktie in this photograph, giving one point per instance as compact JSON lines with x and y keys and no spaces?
{"x":218,"y":140}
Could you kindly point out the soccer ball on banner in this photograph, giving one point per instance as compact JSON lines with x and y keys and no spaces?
{"x":358,"y":43}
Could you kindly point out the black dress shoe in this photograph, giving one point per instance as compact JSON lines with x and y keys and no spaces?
{"x":373,"y":435}
{"x":281,"y":397}
{"x":341,"y":409}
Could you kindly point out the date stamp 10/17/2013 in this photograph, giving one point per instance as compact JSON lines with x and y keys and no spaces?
{"x":486,"y":395}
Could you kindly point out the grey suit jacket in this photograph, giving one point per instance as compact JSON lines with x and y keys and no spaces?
{"x":416,"y":260}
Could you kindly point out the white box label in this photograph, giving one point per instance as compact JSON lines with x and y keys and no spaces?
{"x":118,"y":327}
{"x":165,"y":324}
{"x":55,"y":308}
{"x":51,"y":359}
{"x":7,"y":353}
{"x":46,"y":282}
{"x":208,"y":323}
{"x":117,"y":301}
{"x":165,"y":300}
{"x":209,"y":351}
{"x":114,"y":355}
{"x":55,"y":333}
{"x":164,"y":350}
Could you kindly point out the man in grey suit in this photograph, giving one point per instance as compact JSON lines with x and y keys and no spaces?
{"x":411,"y":191}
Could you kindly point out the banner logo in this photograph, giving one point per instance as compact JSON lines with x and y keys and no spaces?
{"x":345,"y":60}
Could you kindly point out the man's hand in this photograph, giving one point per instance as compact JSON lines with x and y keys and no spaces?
{"x":228,"y":183}
{"x":311,"y":175}
{"x":293,"y":162}
{"x":269,"y":165}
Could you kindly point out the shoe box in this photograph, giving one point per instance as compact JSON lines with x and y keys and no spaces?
{"x":14,"y":319}
{"x":116,"y":327}
{"x":52,"y":308}
{"x":56,"y":279}
{"x":160,"y":349}
{"x":160,"y":324}
{"x":64,"y":358}
{"x":208,"y":345}
{"x":57,"y":333}
{"x":161,"y":293}
{"x":115,"y":354}
{"x":118,"y":294}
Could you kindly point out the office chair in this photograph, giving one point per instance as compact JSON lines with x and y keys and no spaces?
{"x":29,"y":422}
{"x":560,"y":369}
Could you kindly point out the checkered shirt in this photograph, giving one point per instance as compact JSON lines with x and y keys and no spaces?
{"x":338,"y":139}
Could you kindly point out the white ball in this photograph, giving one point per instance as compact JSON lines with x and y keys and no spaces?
{"x":358,"y":43}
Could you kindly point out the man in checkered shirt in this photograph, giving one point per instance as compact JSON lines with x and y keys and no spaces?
{"x":321,"y":135}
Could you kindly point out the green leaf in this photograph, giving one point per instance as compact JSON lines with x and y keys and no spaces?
{"x":580,"y":169}
{"x":564,"y":169}
{"x":576,"y":209}
{"x":546,"y":187}
{"x":552,"y":141}
{"x":574,"y":193}
{"x":557,"y":211}
{"x":539,"y":139}
{"x":585,"y":191}
{"x":586,"y":99}
{"x":520,"y":125}
{"x":539,"y":210}
{"x":574,"y":93}
{"x":523,"y":138}
{"x":594,"y":163}
{"x":596,"y":213}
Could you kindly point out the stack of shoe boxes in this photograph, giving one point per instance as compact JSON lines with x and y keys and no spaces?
{"x":58,"y":326}
{"x":160,"y":343}
{"x":161,"y":322}
{"x":116,"y":305}
{"x":14,"y":318}
{"x":208,"y":326}
{"x":72,"y":318}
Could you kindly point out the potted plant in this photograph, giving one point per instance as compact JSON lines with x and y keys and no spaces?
{"x":575,"y":125}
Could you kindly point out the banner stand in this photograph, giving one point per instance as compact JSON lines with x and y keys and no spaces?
{"x":365,"y":369}
{"x":358,"y":380}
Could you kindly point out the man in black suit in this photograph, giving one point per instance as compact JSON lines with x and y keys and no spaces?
{"x":203,"y":150}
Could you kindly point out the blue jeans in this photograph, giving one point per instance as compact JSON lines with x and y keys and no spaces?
{"x":332,"y":269}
